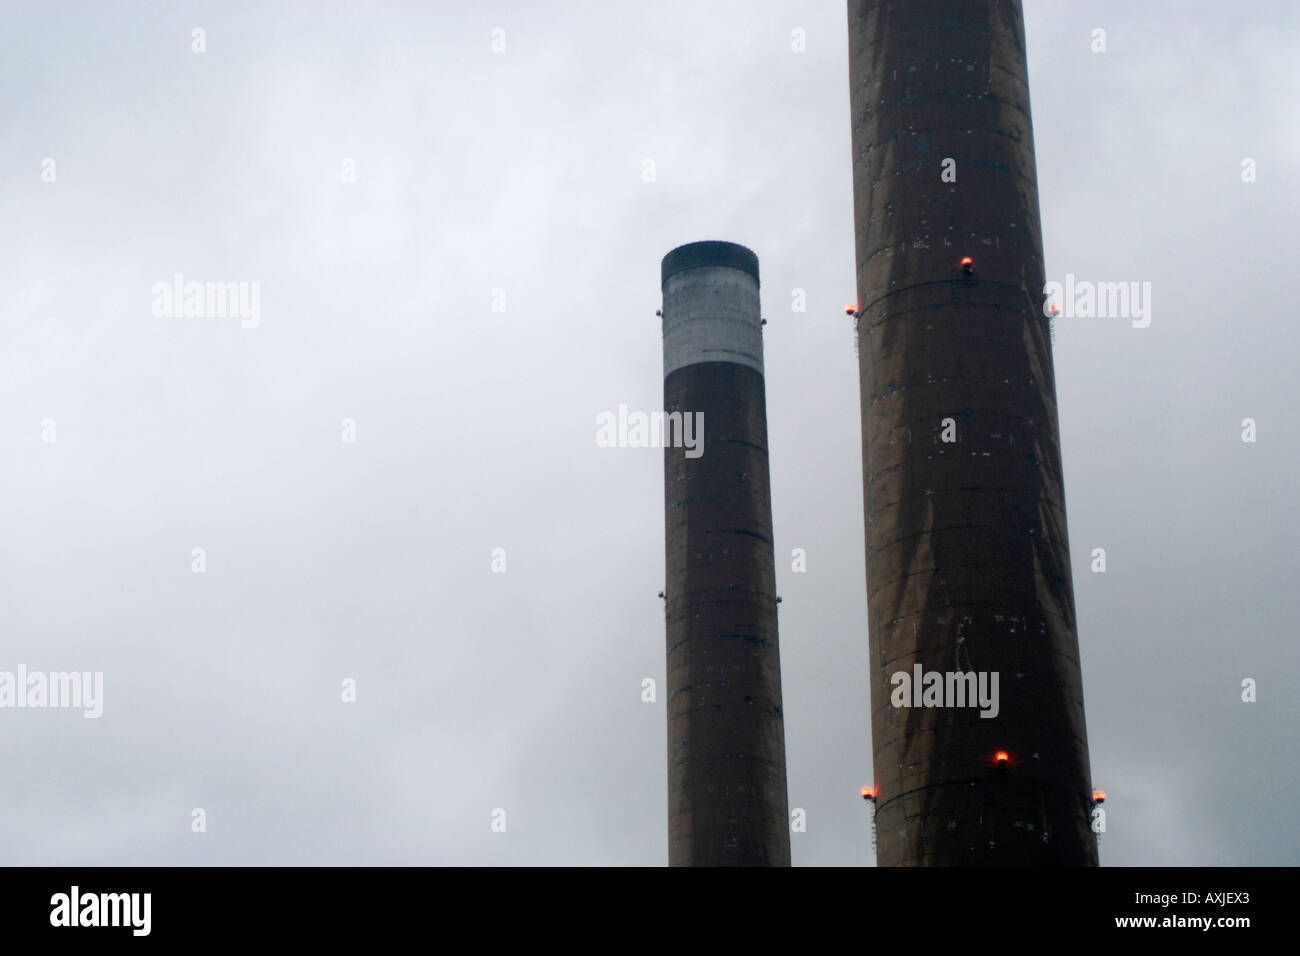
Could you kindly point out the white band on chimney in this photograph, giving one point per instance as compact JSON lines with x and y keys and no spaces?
{"x":712,"y":314}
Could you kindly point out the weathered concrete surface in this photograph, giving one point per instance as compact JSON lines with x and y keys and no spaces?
{"x":967,"y":554}
{"x":712,"y":319}
{"x":727,"y":802}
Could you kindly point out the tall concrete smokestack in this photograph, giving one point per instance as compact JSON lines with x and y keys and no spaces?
{"x":968,"y":563}
{"x":726,"y":741}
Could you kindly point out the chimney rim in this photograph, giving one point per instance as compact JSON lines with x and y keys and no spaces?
{"x":709,"y":253}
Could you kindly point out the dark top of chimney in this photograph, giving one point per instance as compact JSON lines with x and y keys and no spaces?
{"x":711,"y":252}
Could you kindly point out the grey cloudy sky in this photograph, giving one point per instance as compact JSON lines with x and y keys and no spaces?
{"x":524,"y":171}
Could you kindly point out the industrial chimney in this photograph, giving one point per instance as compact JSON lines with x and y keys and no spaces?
{"x":727,"y":801}
{"x":968,"y":567}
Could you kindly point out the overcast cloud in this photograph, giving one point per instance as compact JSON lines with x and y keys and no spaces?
{"x":519,"y":179}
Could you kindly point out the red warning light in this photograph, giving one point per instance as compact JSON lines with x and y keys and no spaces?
{"x":868,"y":793}
{"x":1001,"y":758}
{"x":967,"y":262}
{"x":1099,"y":796}
{"x":1055,"y":309}
{"x":851,"y":308}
